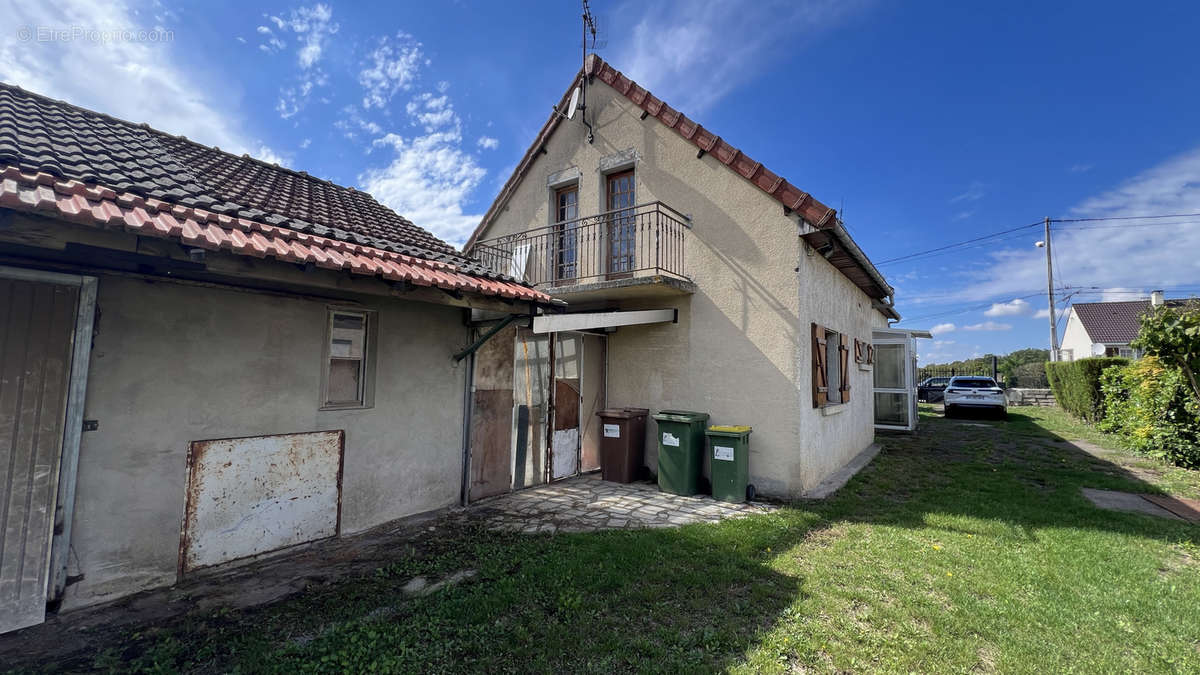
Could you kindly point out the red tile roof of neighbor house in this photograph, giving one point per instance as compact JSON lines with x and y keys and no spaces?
{"x":84,"y":167}
{"x":1114,"y":323}
{"x":805,"y":205}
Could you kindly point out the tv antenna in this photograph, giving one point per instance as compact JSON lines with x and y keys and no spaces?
{"x":578,"y":100}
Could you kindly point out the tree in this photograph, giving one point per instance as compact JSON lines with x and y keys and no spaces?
{"x":1172,"y":333}
{"x":1009,"y":364}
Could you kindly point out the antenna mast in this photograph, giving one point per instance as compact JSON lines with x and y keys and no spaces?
{"x":589,"y":26}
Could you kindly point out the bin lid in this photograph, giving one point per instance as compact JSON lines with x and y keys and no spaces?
{"x":685,"y":416}
{"x":729,"y":430}
{"x":623,"y":413}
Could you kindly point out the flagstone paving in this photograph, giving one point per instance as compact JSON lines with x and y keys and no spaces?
{"x":587,"y":504}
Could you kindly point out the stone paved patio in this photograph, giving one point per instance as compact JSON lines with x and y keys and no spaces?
{"x":587,"y":504}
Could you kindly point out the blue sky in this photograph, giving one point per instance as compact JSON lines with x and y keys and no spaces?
{"x":926,"y":123}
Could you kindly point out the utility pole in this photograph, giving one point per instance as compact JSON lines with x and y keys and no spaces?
{"x":1050,"y":294}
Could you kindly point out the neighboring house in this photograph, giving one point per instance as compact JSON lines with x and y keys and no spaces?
{"x":206,"y":357}
{"x":1106,"y":328}
{"x":694,"y":278}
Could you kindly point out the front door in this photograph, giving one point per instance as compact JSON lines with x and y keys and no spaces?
{"x":36,"y":341}
{"x":622,"y":225}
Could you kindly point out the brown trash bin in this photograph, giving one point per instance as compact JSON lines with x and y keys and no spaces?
{"x":622,"y":443}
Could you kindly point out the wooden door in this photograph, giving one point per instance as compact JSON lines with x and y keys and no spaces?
{"x":35,"y":369}
{"x":593,"y":395}
{"x":622,"y":225}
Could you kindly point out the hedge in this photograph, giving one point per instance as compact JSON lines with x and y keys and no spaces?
{"x":1076,"y":385}
{"x":1150,"y":403}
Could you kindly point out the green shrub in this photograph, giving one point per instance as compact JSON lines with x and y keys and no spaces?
{"x":1151,"y":404}
{"x":1076,"y":385}
{"x":1028,"y":376}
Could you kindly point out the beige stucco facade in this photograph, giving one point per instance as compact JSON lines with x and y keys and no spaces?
{"x":741,"y":349}
{"x":175,"y":363}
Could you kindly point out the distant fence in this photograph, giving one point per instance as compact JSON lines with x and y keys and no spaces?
{"x":984,"y":369}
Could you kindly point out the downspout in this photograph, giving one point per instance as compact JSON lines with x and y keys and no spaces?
{"x":468,"y":395}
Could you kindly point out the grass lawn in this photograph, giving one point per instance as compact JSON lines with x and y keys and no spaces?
{"x":964,"y":547}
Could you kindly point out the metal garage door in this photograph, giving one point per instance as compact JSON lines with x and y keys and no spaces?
{"x":36,"y":341}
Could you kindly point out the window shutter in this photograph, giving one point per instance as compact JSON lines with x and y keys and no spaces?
{"x":844,"y":352}
{"x":858,"y":350}
{"x":870,"y":354}
{"x":819,"y":384}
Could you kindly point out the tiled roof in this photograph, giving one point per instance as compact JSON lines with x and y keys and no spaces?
{"x":805,"y":205}
{"x":38,"y":134}
{"x":792,"y":197}
{"x":73,"y":201}
{"x":1111,"y":322}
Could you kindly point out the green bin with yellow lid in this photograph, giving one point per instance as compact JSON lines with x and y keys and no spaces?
{"x":730,"y":463}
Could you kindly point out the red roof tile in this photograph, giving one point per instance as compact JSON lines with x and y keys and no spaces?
{"x":1114,"y":323}
{"x":810,"y":209}
{"x":98,"y":206}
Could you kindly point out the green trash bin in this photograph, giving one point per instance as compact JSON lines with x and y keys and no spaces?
{"x":730,"y":463}
{"x":680,"y":450}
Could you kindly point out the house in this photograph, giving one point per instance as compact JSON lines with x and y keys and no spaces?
{"x":206,"y":357}
{"x":689,"y":276}
{"x":1106,"y":328}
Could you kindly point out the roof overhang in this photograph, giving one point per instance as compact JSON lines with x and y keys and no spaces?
{"x":555,"y":323}
{"x":836,"y":245}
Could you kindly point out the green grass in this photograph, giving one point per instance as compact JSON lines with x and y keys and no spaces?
{"x":959,"y":548}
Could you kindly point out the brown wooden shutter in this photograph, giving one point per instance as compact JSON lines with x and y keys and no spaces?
{"x":844,"y":352}
{"x":858,"y":350}
{"x":870,"y":354}
{"x":819,"y":384}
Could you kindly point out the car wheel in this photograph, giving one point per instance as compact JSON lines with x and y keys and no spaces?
{"x":947,"y":411}
{"x":1002,"y":413}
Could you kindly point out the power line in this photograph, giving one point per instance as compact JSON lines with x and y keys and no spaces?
{"x":1092,"y":220}
{"x":957,"y":244}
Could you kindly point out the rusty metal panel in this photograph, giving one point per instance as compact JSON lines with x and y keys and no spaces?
{"x":35,"y":358}
{"x":247,"y":496}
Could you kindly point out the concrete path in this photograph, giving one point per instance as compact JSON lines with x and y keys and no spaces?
{"x":587,"y":504}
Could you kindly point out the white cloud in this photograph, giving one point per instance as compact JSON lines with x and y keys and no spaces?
{"x":391,"y":68}
{"x":942,"y":328}
{"x":725,"y":44}
{"x":1042,"y":313}
{"x":1115,"y":255}
{"x":1081,"y":168}
{"x":988,"y":325}
{"x":963,"y":215}
{"x":428,"y":180}
{"x":137,"y":81}
{"x":942,"y":343}
{"x":1014,"y":307}
{"x":488,"y":143}
{"x":268,"y":155}
{"x":305,"y":143}
{"x":313,"y":27}
{"x":973,"y":193}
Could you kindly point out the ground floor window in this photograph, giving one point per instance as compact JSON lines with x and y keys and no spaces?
{"x":346,"y":379}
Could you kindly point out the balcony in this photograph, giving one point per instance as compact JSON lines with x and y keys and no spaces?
{"x":636,"y":251}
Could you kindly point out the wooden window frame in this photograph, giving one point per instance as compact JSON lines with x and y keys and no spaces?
{"x":821,"y":367}
{"x":560,"y":231}
{"x":612,"y":225}
{"x":366,"y":397}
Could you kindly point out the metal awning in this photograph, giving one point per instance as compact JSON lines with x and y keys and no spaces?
{"x":554,"y":323}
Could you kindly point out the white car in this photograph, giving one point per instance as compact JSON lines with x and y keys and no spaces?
{"x":974,"y":392}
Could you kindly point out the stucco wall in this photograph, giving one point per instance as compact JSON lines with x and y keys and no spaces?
{"x":174,"y":363}
{"x":1076,"y":338}
{"x":740,"y":350}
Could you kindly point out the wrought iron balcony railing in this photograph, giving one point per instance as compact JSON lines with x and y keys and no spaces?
{"x":642,"y":240}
